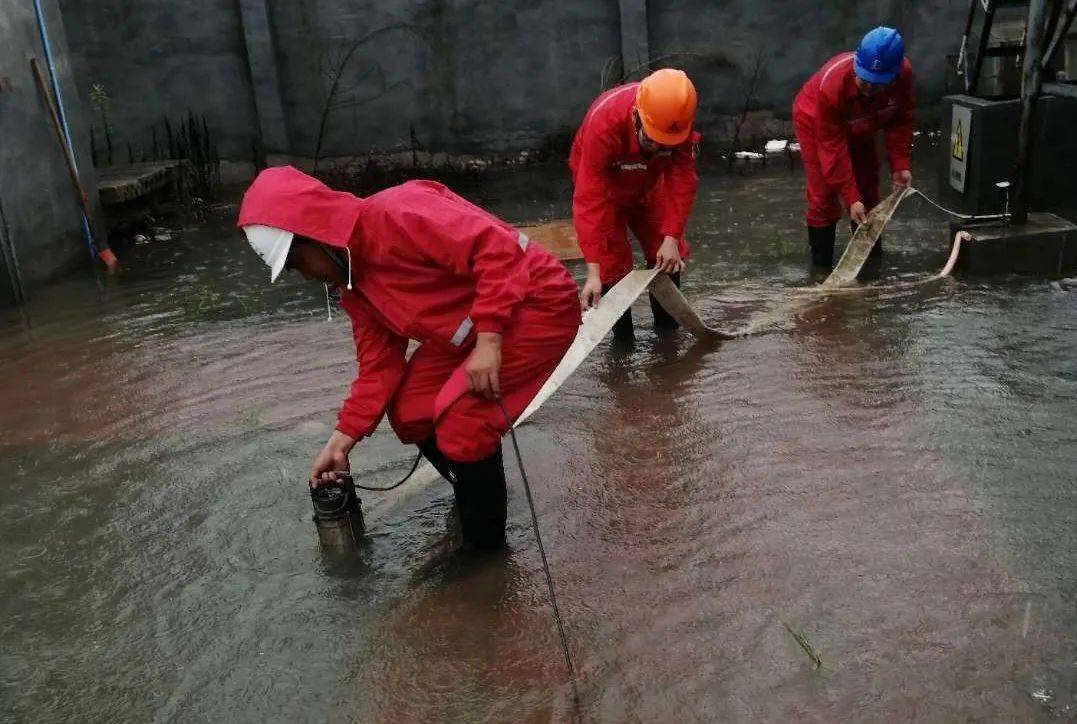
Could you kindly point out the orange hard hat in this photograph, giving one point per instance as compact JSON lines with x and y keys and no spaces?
{"x":666,"y":102}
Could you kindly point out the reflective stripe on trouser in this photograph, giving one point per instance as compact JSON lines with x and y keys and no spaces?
{"x":471,"y":428}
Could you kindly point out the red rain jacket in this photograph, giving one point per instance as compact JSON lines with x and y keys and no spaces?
{"x":836,"y":113}
{"x":609,"y":171}
{"x":425,"y":264}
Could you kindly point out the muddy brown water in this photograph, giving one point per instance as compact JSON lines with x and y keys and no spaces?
{"x":891,"y":475}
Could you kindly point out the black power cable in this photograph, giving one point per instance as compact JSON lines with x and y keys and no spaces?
{"x":538,"y":539}
{"x":545,"y":564}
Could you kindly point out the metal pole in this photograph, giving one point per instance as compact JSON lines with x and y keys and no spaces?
{"x":1031,"y":80}
{"x":59,"y":107}
{"x":963,"y":54}
{"x":1052,"y":21}
{"x":11,"y":259}
{"x":981,"y":51}
{"x":1060,"y":36}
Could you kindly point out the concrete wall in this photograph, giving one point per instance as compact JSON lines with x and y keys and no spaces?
{"x":39,"y":204}
{"x":164,"y":57}
{"x":468,"y":75}
{"x":795,"y":37}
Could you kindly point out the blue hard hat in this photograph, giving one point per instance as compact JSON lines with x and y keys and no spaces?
{"x":879,"y":56}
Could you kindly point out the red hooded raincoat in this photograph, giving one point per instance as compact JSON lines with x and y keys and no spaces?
{"x":428,"y":265}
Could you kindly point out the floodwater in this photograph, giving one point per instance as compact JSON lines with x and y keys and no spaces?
{"x":889,"y":475}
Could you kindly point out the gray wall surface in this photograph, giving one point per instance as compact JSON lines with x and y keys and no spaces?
{"x":468,"y":75}
{"x":158,"y":58}
{"x":794,"y":38}
{"x":39,"y":204}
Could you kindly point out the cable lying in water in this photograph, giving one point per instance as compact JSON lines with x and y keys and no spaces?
{"x":394,"y":486}
{"x":545,"y":565}
{"x":538,"y":539}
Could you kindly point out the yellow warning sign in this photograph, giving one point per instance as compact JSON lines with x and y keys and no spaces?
{"x":960,"y":148}
{"x":957,"y":149}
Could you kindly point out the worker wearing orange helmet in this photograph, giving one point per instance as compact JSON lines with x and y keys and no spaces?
{"x":633,"y":167}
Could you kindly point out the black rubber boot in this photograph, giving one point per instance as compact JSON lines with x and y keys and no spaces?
{"x":482,"y":503}
{"x":663,"y":319}
{"x":821,"y":242}
{"x":442,"y":464}
{"x":877,"y":250}
{"x":623,"y":330}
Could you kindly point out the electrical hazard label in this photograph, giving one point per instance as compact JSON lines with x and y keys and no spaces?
{"x":957,"y":148}
{"x":960,"y":125}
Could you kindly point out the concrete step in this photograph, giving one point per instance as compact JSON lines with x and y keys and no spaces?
{"x":121,"y":184}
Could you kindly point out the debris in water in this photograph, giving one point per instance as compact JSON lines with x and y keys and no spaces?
{"x":794,"y":147}
{"x":1043,"y":696}
{"x":802,"y":640}
{"x":749,"y":155}
{"x":775,"y":146}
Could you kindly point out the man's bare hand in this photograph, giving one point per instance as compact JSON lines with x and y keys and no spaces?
{"x":483,"y":366}
{"x":901,"y":179}
{"x":591,"y":293}
{"x":332,"y":459}
{"x":858,"y":213}
{"x":668,"y":258}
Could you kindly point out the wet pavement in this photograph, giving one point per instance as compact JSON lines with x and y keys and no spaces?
{"x":889,"y":475}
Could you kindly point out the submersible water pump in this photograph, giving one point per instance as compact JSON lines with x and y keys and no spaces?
{"x":337,"y":514}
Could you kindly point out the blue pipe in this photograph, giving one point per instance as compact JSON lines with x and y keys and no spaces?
{"x":86,"y":233}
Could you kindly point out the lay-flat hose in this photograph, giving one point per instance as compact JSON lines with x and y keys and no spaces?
{"x":944,"y":272}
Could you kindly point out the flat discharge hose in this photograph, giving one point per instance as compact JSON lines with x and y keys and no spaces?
{"x":868,"y":233}
{"x":599,"y":321}
{"x":842,"y":279}
{"x":864,"y":240}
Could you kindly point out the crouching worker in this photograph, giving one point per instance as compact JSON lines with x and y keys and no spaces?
{"x":493,"y":315}
{"x":837,"y":115}
{"x":633,"y":167}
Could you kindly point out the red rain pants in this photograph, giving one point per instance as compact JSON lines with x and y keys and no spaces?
{"x":469,"y":428}
{"x":824,"y":202}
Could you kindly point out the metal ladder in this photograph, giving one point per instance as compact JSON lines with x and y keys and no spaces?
{"x":1045,"y":30}
{"x":1056,"y":24}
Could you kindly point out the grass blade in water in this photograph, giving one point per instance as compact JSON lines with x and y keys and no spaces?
{"x":802,"y":640}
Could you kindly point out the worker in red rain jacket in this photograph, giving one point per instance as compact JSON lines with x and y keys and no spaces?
{"x":493,"y":314}
{"x":633,"y":165}
{"x":836,"y":116}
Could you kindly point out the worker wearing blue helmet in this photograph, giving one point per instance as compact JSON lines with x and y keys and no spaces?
{"x":837,"y":115}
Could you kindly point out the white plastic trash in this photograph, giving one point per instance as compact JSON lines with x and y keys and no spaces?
{"x":776,"y":146}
